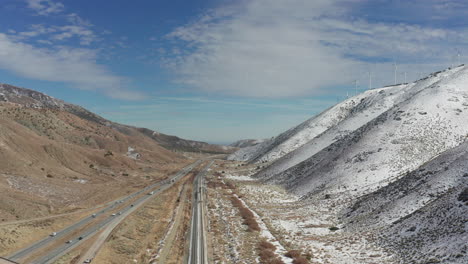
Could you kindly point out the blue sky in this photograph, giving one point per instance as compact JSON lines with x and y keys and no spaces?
{"x":222,"y":70}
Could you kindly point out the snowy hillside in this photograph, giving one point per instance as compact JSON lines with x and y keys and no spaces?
{"x":428,"y":205}
{"x":275,"y":148}
{"x":29,"y":98}
{"x":424,"y":124}
{"x":244,"y":143}
{"x":371,"y":104}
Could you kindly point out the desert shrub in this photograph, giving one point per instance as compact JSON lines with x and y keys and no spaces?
{"x":231,"y":186}
{"x":266,"y":245}
{"x":300,"y":260}
{"x":246,"y":214}
{"x":293,"y":254}
{"x":266,"y":252}
{"x":276,"y":261}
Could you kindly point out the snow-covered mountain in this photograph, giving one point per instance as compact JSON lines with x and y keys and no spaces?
{"x":329,"y":126}
{"x":277,"y":147}
{"x":372,"y":103}
{"x":424,"y":122}
{"x":395,"y":167}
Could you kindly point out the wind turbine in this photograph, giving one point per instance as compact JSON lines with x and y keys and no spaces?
{"x":370,"y":80}
{"x":355,"y":86}
{"x":395,"y":70}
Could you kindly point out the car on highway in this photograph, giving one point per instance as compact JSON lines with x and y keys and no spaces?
{"x":131,"y":205}
{"x":88,"y":261}
{"x":112,"y":214}
{"x":93,"y":215}
{"x":120,"y":213}
{"x":80,"y":238}
{"x":69,"y":241}
{"x":53,"y":234}
{"x":151,"y":193}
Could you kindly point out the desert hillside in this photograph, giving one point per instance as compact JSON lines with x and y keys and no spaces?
{"x":57,"y":157}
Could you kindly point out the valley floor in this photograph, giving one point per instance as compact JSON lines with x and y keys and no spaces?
{"x":285,"y":221}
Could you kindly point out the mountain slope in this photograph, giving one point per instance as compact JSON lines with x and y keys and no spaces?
{"x":244,"y":143}
{"x":372,"y":103}
{"x":33,"y":99}
{"x":424,"y":214}
{"x":51,"y":166}
{"x":295,"y":137}
{"x":57,"y":157}
{"x":421,"y":126}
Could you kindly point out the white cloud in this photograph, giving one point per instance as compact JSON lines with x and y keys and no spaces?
{"x":73,"y":66}
{"x":267,"y":48}
{"x":45,"y":7}
{"x":85,"y":35}
{"x":78,"y":28}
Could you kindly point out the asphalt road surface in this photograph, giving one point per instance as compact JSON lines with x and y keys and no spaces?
{"x":197,"y":248}
{"x":92,"y":230}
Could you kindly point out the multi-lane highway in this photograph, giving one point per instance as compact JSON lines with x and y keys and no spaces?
{"x":197,"y":248}
{"x":100,"y":219}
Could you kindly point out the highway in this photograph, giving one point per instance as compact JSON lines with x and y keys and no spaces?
{"x":197,"y":249}
{"x":59,"y":251}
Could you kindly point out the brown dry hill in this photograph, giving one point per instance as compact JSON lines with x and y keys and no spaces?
{"x":34,"y":99}
{"x":57,"y":157}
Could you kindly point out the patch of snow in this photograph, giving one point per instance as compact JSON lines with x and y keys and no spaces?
{"x":82,"y":181}
{"x":239,"y":177}
{"x":264,"y":232}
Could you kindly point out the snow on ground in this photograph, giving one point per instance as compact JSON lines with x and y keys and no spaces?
{"x":422,"y":211}
{"x":265,"y":233}
{"x":82,"y":181}
{"x":239,"y":177}
{"x":305,"y":225}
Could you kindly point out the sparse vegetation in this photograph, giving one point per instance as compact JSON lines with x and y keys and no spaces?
{"x":293,"y":254}
{"x":266,"y":252}
{"x":298,"y":257}
{"x":246,"y":214}
{"x":300,"y":260}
